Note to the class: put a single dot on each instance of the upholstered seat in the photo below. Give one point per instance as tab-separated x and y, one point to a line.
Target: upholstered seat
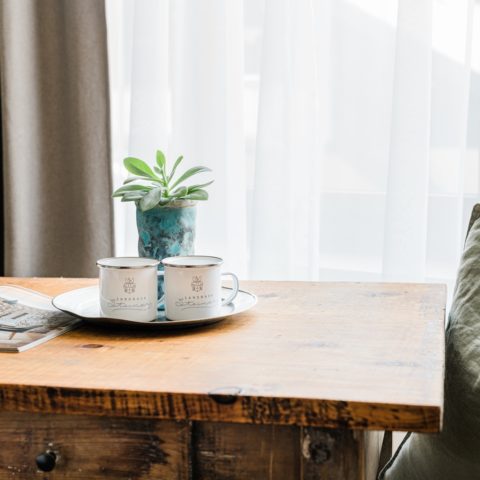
454	454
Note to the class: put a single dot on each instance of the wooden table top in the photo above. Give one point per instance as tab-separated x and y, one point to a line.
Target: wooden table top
354	355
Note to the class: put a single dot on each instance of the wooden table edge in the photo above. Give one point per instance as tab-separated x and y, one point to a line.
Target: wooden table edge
220	407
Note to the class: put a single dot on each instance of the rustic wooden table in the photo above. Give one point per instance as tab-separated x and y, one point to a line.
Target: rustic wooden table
289	390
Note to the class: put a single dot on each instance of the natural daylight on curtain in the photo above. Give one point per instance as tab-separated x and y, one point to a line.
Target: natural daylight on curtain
342	135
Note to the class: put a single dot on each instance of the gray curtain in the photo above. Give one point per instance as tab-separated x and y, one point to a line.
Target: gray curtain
56	141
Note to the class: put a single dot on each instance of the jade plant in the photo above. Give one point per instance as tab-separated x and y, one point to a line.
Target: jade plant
154	186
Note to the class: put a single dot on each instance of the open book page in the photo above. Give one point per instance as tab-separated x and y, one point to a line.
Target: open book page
27	318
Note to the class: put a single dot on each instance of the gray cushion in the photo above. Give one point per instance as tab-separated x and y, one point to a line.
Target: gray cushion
453	454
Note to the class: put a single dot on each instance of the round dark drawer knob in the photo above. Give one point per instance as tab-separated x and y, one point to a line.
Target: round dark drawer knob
46	461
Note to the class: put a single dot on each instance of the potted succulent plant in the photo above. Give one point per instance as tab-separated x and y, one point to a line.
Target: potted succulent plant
166	207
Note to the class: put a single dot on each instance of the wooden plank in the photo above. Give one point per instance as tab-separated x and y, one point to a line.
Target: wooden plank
331	454
246	409
347	355
93	447
245	452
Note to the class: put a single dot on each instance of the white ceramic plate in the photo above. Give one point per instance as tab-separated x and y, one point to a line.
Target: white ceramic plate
84	303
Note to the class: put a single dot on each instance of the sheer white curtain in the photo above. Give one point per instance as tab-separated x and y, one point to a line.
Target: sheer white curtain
344	135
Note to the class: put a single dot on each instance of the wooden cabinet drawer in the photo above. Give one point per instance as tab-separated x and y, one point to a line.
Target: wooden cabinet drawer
93	447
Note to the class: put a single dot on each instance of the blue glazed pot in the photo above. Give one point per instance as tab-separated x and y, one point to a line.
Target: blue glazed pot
166	232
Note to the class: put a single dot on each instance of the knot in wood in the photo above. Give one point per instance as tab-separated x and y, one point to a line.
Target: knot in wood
225	395
319	453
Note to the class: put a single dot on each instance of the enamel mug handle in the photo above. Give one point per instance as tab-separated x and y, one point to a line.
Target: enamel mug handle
234	293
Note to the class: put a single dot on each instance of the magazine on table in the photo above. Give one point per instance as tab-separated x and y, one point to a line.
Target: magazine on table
28	318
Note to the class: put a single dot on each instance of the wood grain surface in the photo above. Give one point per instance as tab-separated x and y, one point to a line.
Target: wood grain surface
348	355
239	451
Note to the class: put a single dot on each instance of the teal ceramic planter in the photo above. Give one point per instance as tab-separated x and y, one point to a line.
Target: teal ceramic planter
166	232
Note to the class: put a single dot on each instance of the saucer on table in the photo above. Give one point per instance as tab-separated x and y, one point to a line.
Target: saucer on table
84	303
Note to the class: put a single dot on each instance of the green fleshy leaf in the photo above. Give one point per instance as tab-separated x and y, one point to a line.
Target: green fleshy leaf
161	160
175	165
130	188
151	199
133	196
162	163
194	188
134	179
179	192
162	181
197	195
138	167
190	172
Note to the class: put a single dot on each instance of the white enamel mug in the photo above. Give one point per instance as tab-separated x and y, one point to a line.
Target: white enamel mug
193	287
128	288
